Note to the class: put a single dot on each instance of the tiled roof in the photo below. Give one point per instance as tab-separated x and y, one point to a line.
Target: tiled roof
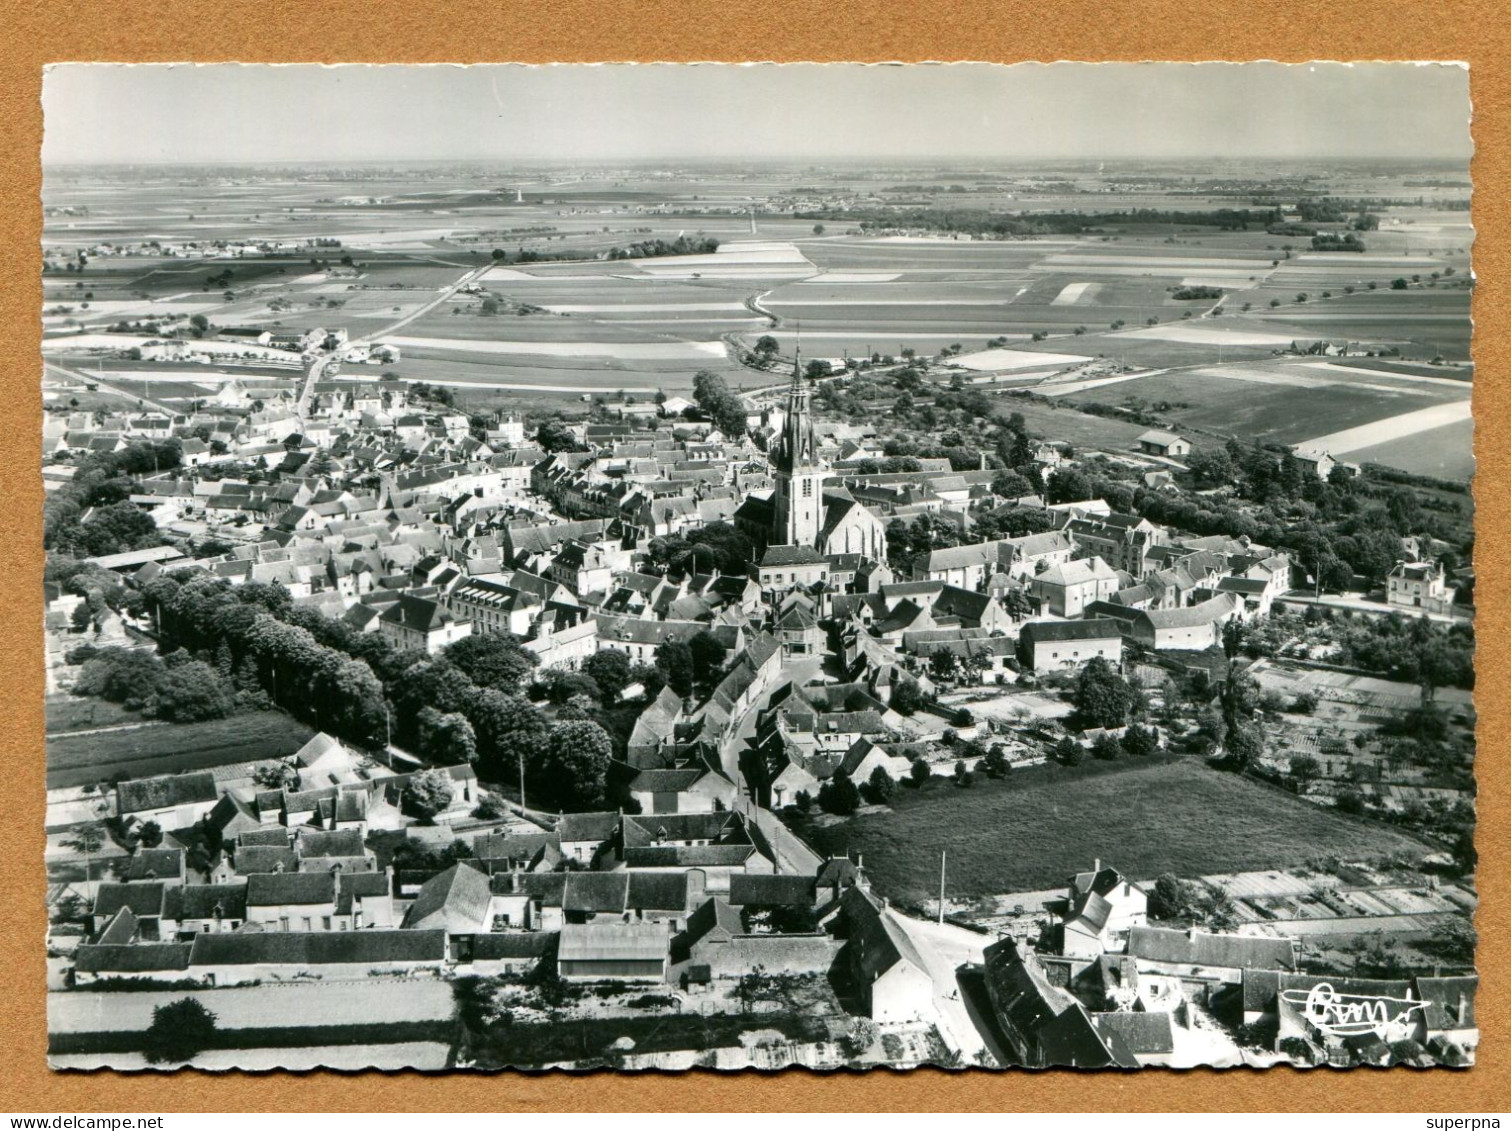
315	948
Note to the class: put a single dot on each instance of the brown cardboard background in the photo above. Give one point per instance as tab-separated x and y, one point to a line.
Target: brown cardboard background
613	30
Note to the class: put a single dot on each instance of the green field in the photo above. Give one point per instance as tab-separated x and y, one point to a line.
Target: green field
74	712
1059	420
139	751
1274	403
1030	832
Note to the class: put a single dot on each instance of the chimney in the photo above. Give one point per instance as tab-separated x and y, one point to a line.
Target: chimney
1096	865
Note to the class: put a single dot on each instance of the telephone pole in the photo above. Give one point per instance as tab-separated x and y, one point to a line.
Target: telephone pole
942	855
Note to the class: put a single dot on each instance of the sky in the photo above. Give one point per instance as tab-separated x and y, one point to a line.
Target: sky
262	114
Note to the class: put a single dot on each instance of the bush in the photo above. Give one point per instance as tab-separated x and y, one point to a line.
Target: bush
1297	1049
1068	751
1140	742
880	787
1351	803
1304	704
906	697
180	1031
995	763
839	795
429	792
490	807
919	772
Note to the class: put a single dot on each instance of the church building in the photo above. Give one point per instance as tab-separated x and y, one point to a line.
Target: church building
801	511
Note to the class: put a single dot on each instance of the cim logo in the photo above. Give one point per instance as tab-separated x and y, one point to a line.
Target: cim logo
1350	1015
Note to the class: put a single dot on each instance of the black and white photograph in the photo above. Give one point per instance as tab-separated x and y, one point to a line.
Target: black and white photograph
836	566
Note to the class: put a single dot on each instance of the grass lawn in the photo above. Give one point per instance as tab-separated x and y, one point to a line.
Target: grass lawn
1036	828
165	748
67	713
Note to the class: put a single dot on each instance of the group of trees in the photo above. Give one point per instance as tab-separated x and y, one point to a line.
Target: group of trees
651	249
100	489
1102	697
1335	528
1175	899
177	686
1001	225
466	704
715	401
716	546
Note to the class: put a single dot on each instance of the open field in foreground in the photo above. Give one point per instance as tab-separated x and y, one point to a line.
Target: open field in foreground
1446	452
1031	831
138	751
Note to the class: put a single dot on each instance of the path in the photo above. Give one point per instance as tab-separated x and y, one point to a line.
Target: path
1377	608
104	730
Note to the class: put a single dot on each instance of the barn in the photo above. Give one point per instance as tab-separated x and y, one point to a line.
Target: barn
628	951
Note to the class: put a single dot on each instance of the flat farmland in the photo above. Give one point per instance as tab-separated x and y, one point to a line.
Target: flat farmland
1446	452
902	254
1282	403
138	751
567	377
1030	831
1386	365
1160	352
924	338
1057	420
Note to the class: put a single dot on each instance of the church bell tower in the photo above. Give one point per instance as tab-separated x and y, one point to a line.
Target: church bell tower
797	505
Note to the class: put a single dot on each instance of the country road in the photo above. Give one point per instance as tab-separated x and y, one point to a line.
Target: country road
320	364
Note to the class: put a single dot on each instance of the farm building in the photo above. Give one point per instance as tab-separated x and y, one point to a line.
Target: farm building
1052	645
1158	443
625	951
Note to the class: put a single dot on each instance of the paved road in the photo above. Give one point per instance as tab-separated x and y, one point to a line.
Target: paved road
945	948
366	1000
1363	605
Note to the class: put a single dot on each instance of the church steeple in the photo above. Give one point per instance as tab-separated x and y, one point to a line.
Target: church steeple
797	511
797	448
